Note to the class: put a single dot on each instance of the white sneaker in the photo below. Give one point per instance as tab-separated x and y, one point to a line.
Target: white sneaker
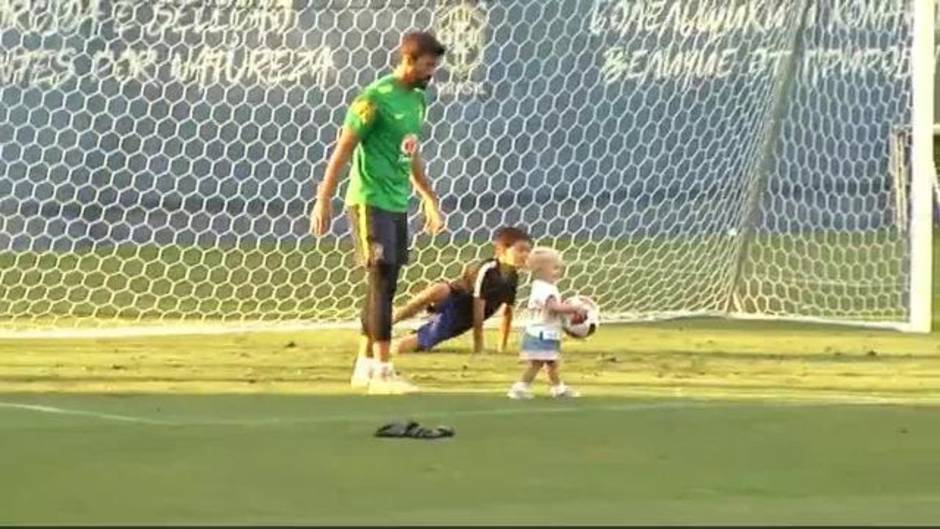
562	391
362	373
391	384
519	392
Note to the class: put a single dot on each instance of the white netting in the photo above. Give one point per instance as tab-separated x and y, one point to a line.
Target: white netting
689	157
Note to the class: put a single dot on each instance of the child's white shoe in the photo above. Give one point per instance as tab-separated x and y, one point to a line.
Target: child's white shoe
561	391
519	391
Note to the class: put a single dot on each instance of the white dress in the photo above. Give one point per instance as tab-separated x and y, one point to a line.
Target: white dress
541	339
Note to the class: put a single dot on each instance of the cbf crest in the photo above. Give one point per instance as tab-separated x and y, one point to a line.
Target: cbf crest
462	27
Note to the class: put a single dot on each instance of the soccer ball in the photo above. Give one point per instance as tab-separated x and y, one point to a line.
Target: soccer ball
578	327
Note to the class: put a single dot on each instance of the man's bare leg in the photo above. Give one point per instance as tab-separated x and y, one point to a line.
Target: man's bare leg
382	352
435	293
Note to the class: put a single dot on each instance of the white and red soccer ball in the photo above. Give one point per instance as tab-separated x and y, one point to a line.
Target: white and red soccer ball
581	327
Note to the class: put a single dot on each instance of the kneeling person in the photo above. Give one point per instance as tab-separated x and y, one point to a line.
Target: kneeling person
466	303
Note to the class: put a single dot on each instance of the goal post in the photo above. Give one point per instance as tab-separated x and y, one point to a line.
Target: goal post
923	62
732	158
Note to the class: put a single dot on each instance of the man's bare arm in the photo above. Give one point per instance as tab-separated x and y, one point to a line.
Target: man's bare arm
433	218
322	209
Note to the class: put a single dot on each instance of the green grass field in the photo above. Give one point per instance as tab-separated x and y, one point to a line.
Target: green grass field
302	460
688	421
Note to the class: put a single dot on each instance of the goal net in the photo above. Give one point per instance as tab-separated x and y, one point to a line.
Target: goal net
693	157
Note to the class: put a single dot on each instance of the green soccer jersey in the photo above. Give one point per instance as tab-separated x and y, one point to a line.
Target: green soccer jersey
387	117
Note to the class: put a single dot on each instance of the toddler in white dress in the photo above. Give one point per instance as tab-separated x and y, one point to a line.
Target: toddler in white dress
541	339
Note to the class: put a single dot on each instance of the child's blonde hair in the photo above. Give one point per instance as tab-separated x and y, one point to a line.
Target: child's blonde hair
542	256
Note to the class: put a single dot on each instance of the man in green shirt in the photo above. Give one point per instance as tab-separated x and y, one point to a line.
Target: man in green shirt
380	134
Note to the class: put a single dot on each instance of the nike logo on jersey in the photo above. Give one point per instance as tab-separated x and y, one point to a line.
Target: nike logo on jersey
399	116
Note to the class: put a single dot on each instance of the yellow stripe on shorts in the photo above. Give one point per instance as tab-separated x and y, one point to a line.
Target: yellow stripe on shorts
364	233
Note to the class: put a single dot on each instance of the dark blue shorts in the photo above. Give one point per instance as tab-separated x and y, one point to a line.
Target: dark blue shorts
381	236
453	317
